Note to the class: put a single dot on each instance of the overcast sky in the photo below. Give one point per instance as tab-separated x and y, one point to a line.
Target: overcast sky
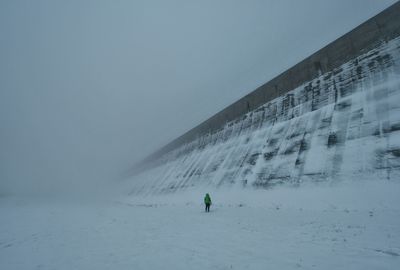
88	88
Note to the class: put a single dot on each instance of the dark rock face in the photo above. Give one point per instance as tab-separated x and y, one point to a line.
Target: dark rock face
345	124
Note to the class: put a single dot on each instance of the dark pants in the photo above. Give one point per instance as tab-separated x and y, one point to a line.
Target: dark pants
207	207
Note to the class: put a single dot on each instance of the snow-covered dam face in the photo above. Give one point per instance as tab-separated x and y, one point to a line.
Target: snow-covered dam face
343	125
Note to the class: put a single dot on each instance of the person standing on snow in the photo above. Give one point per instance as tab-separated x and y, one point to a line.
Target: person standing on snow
207	201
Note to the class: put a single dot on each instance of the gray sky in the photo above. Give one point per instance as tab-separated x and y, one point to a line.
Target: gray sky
87	88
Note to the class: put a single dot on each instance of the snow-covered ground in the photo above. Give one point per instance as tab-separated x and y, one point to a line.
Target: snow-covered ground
347	226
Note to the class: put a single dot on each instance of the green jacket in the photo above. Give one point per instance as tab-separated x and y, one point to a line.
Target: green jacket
207	199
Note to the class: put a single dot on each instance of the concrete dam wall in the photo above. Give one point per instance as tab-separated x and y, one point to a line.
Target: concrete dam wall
335	115
383	27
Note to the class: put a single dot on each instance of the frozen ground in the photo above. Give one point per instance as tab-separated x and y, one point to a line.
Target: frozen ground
351	226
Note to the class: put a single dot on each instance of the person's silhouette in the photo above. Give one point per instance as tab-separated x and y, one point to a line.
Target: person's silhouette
207	202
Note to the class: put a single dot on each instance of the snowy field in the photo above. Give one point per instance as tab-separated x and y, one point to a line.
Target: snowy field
350	226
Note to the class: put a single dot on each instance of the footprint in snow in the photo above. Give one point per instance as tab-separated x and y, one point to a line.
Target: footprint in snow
7	246
388	252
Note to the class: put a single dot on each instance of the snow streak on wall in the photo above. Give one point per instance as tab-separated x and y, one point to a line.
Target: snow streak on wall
343	125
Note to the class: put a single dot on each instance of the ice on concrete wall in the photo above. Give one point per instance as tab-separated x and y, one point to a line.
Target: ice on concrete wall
343	125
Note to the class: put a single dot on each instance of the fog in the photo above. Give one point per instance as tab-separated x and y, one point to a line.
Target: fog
89	88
